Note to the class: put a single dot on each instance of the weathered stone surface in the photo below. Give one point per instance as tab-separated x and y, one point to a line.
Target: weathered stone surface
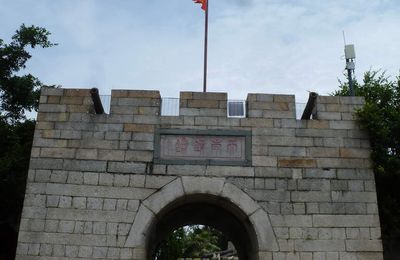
166	195
345	221
244	201
266	242
94	190
202	185
140	227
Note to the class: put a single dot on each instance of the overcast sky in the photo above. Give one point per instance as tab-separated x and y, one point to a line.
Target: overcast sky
255	46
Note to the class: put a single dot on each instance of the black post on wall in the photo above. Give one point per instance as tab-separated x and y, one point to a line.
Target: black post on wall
312	100
98	106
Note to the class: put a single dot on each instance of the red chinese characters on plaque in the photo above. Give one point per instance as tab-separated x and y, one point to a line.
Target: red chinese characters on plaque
202	147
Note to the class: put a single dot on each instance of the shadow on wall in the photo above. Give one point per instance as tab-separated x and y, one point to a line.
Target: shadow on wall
8	242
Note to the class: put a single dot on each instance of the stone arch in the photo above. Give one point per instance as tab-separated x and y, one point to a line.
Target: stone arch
188	190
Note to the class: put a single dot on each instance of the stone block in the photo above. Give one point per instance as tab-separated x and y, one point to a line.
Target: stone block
355	174
343	196
46	164
133	205
75	178
146	119
197	103
89	154
100	252
122	204
287	151
168	193
139	145
139	156
121	180
138	102
111	155
354	153
352	100
244	201
126	167
109	204
209	96
137	181
156	182
138	128
364	245
99	228
42	175
59	250
85	165
332	208
310	196
186	170
319	245
52	201
329	115
98	191
312	207
270	195
137	234
322	152
106	179
36	200
66	226
279	114
313	185
205	121
303	163
59	176
91	178
256	122
291	220
229	171
65	202
264	161
252	97
85	251
91	215
345	221
45	250
79	202
343	163
370	256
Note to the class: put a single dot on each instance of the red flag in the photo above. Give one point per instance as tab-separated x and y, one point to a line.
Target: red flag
202	2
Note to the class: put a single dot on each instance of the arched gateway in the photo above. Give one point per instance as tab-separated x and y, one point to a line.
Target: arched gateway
111	186
203	200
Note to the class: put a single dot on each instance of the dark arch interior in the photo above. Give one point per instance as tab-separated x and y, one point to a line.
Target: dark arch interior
209	211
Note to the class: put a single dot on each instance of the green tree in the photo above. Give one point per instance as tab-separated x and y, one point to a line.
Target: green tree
381	117
18	94
202	240
190	242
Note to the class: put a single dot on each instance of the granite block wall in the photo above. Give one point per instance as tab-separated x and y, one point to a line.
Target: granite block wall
89	174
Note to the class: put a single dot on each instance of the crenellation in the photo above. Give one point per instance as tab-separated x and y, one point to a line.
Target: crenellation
95	184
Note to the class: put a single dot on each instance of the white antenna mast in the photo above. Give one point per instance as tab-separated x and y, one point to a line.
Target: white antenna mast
350	55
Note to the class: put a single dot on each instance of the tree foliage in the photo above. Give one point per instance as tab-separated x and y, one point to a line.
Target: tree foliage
190	242
18	94
381	117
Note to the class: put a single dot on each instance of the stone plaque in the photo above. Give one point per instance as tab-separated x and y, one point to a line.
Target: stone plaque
202	147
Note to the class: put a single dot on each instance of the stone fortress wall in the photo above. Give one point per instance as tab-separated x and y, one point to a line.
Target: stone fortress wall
94	188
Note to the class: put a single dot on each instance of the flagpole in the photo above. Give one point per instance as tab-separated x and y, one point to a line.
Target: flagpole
205	49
